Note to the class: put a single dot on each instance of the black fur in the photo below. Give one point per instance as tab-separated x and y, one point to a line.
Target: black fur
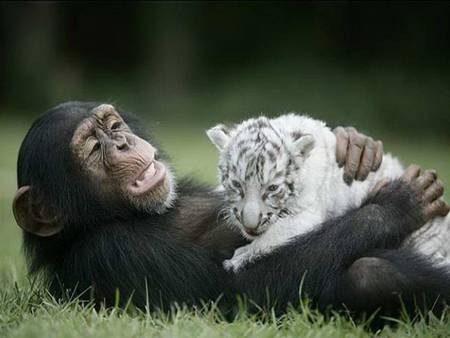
107	246
177	256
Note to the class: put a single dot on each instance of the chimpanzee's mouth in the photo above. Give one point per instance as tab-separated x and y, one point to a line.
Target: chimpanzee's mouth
149	178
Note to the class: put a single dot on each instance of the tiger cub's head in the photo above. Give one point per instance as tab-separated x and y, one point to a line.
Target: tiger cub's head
260	169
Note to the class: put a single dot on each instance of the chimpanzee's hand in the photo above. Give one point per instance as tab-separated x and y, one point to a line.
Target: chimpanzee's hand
429	190
359	153
416	197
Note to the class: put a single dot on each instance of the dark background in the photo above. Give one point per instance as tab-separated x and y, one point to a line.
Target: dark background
384	67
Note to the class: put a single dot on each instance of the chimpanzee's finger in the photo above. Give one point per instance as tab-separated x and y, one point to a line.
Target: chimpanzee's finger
426	179
341	145
433	192
355	148
378	156
412	172
367	158
435	209
380	185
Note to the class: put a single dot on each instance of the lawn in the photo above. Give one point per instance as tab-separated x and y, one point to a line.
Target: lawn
26	312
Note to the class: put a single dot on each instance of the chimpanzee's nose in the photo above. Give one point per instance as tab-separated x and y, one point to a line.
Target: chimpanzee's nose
121	142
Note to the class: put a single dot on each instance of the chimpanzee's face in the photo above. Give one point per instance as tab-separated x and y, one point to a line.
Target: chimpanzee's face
119	163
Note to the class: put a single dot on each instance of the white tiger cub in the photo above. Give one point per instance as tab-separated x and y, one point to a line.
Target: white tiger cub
281	180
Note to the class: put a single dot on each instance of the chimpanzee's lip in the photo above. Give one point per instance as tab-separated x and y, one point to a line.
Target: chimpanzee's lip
149	178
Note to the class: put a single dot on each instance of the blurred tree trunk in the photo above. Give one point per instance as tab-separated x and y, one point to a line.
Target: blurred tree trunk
171	62
28	52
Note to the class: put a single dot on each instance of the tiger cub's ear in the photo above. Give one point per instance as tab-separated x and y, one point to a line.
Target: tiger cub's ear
219	136
303	145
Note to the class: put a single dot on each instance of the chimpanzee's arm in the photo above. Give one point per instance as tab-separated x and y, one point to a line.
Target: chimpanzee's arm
324	258
144	263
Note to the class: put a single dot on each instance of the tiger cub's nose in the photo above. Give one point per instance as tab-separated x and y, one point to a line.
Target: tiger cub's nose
251	216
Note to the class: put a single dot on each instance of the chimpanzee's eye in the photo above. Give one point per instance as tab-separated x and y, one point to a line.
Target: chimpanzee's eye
95	148
273	187
116	125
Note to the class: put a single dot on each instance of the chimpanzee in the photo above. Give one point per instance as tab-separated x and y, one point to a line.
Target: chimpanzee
104	219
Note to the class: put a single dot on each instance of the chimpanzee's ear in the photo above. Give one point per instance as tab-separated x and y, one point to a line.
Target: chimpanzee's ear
32	216
303	145
219	136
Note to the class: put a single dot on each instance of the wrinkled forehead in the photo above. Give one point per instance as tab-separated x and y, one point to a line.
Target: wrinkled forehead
100	114
98	117
103	112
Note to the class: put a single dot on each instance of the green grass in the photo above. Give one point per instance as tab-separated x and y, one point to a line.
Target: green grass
26	311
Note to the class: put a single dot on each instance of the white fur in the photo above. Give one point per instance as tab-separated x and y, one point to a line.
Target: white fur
325	195
218	137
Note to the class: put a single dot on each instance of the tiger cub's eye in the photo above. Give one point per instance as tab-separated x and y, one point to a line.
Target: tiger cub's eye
236	184
273	187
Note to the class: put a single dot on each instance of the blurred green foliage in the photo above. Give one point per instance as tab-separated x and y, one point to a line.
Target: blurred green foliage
381	66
